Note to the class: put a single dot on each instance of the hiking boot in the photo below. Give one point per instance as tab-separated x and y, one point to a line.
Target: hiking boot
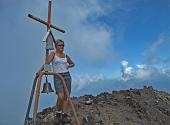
58	115
66	118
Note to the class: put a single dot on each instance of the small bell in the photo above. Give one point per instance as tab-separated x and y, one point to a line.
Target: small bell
47	87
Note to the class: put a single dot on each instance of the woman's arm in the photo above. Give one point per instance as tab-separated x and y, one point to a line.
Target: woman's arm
70	62
50	57
48	61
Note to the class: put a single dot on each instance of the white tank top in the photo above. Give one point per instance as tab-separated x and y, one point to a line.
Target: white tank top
59	64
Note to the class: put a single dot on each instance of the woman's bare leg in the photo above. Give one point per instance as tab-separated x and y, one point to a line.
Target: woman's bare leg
65	105
60	100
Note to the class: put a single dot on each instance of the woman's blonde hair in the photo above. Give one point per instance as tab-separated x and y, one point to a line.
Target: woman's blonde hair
58	41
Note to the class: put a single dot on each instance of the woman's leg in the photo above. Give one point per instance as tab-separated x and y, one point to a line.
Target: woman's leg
60	94
66	100
60	100
65	105
66	117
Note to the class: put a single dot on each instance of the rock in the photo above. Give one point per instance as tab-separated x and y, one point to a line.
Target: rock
145	106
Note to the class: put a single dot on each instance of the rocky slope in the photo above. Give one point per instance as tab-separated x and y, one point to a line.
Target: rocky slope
126	107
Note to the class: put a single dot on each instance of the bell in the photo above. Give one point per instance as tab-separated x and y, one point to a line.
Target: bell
47	87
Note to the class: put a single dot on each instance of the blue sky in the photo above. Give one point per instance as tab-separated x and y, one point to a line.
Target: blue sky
115	44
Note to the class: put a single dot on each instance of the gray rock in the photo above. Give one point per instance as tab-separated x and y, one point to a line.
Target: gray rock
126	107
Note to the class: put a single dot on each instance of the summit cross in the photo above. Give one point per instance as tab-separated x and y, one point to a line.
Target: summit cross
47	23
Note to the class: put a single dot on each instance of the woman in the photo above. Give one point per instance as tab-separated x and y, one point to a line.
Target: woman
61	63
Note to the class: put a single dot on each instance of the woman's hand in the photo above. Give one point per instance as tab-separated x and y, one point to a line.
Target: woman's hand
41	69
70	65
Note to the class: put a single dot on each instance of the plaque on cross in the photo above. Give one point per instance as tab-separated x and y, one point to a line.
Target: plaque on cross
49	39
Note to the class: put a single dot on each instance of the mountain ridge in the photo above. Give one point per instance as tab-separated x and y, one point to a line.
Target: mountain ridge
145	106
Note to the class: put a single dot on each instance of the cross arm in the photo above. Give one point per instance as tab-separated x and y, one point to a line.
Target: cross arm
46	23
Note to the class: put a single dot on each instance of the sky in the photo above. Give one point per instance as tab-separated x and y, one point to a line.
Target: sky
115	44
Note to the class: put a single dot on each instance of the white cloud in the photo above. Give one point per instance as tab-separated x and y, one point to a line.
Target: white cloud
152	53
82	80
141	66
124	63
126	71
165	71
142	72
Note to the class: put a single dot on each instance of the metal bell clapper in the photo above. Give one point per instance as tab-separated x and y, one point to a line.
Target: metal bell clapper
47	86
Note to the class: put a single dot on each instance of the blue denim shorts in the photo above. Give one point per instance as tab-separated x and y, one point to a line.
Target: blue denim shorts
58	84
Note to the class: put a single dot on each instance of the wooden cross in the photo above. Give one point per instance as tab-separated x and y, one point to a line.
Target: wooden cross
47	23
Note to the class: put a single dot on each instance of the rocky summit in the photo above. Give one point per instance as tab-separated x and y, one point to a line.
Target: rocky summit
145	106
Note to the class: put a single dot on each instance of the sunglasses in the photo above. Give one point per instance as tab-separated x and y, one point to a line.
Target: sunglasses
60	45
